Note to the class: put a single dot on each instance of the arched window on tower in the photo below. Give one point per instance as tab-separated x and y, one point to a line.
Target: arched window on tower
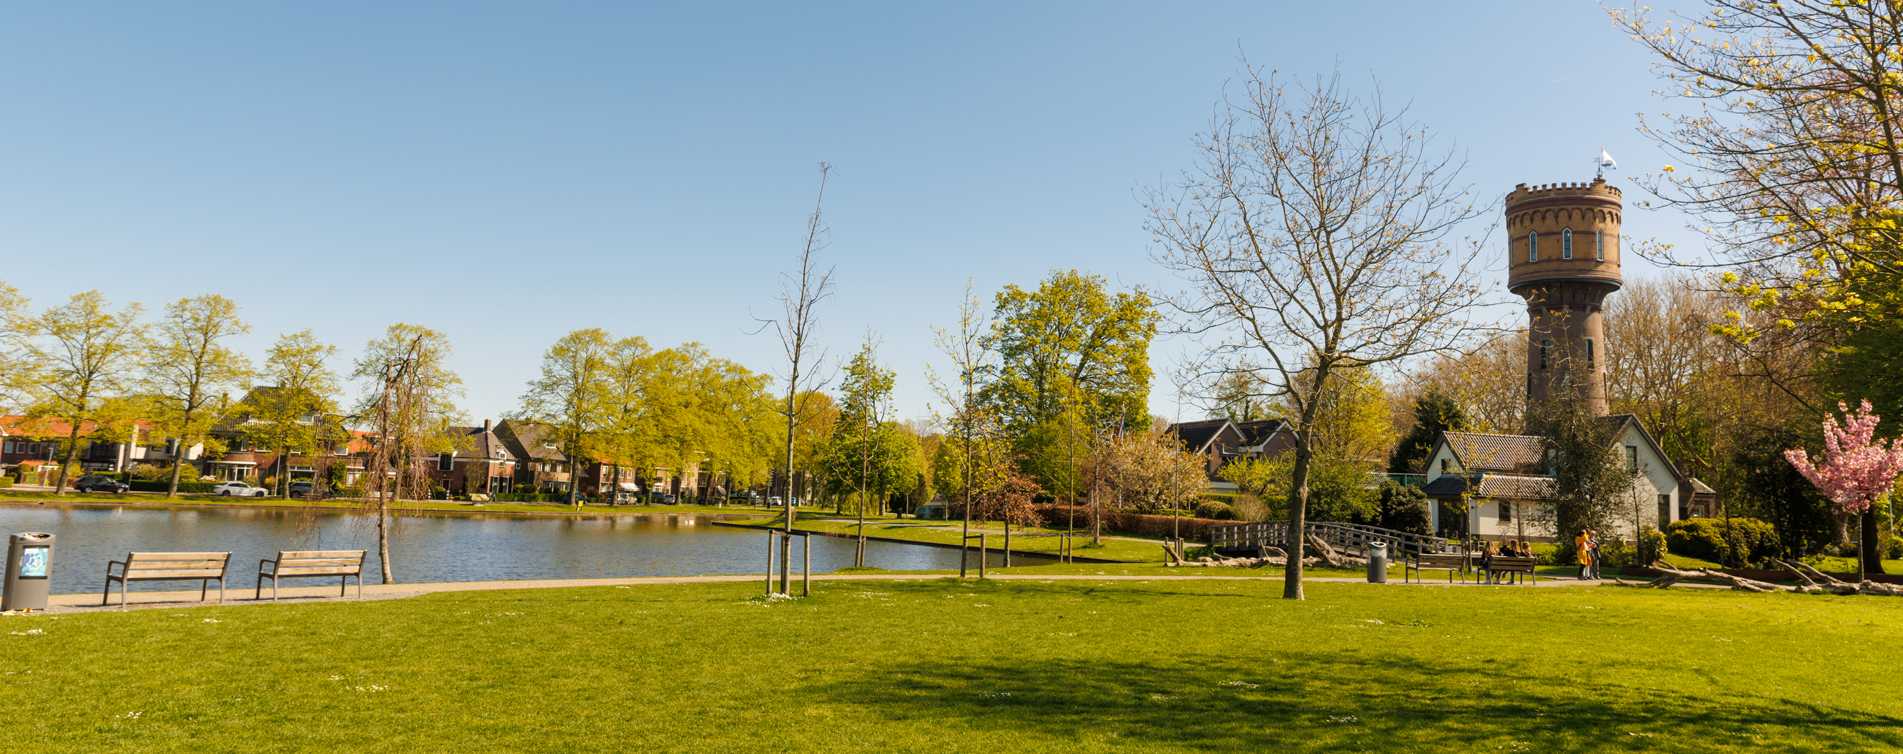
1566	243
1546	347
1533	246
1589	353
1599	245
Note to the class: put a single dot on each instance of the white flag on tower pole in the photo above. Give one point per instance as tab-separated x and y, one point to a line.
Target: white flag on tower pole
1606	161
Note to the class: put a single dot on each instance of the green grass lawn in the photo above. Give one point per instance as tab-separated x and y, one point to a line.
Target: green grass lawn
1185	666
1035	540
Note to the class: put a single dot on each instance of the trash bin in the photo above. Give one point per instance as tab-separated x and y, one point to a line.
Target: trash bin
29	571
1378	563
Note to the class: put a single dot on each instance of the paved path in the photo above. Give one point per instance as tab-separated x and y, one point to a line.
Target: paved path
78	603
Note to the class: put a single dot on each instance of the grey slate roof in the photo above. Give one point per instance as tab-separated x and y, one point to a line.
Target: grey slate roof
1195	435
1515	487
530	440
1479	451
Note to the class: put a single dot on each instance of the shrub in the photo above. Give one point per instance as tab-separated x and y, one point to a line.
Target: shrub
5	482
1893	548
149	472
185	486
1251	508
1733	542
1214	510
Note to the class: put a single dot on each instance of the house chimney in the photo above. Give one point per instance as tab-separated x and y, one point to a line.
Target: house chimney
485	426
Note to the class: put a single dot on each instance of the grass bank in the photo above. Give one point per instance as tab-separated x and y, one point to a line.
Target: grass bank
430	507
1035	540
943	666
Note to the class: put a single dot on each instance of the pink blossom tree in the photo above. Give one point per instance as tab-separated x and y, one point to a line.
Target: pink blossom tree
1857	468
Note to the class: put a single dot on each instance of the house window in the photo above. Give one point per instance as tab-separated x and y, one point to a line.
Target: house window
1533	246
1546	346
1443	464
1589	353
1506	511
1665	510
1599	245
1631	458
445	462
1566	243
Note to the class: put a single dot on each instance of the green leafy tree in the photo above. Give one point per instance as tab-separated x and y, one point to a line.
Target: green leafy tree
84	353
1591	483
857	444
1434	414
1072	351
190	367
569	395
294	413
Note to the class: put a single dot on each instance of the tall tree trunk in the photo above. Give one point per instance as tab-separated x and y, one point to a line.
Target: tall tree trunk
574	500
178	460
72	454
1869	546
1297	521
383	537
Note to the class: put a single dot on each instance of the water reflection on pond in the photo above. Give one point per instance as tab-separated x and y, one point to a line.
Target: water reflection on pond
435	548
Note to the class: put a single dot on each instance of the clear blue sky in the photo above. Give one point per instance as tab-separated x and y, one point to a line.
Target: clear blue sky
508	172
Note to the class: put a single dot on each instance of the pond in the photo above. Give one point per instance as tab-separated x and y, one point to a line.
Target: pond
436	548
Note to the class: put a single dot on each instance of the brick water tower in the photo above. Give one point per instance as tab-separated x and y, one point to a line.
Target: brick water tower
1563	258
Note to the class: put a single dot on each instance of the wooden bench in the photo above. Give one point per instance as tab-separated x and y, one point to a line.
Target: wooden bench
1507	564
295	564
204	567
1454	562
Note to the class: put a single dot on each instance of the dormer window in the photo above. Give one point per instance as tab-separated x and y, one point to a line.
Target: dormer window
1566	243
1533	246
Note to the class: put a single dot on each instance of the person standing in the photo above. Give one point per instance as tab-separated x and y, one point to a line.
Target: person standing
1582	554
1592	542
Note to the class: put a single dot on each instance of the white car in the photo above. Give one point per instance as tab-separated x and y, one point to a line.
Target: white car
238	489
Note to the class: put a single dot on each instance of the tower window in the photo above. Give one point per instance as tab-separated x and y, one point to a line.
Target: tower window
1599	245
1533	246
1566	243
1546	346
1589	353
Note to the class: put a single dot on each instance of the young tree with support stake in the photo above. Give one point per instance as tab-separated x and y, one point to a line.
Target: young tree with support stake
190	366
1313	238
799	298
970	354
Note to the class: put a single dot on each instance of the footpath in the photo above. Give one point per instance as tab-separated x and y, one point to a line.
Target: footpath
65	604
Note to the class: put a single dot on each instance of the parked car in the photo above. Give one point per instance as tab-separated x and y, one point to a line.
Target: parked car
238	489
301	489
100	483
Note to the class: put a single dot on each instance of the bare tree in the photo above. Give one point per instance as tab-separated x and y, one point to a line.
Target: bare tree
408	405
800	295
1313	238
970	352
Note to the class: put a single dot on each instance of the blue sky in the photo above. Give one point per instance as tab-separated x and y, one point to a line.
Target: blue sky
508	172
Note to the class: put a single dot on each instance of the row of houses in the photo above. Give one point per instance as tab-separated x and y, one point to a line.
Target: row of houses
1496	486
511	456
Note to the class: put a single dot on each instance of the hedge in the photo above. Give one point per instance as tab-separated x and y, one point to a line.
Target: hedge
1139	524
1733	542
161	485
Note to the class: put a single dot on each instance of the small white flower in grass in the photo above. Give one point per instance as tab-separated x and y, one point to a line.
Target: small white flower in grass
334	677
1343	719
133	715
980	604
1240	684
210	620
28	632
996	694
